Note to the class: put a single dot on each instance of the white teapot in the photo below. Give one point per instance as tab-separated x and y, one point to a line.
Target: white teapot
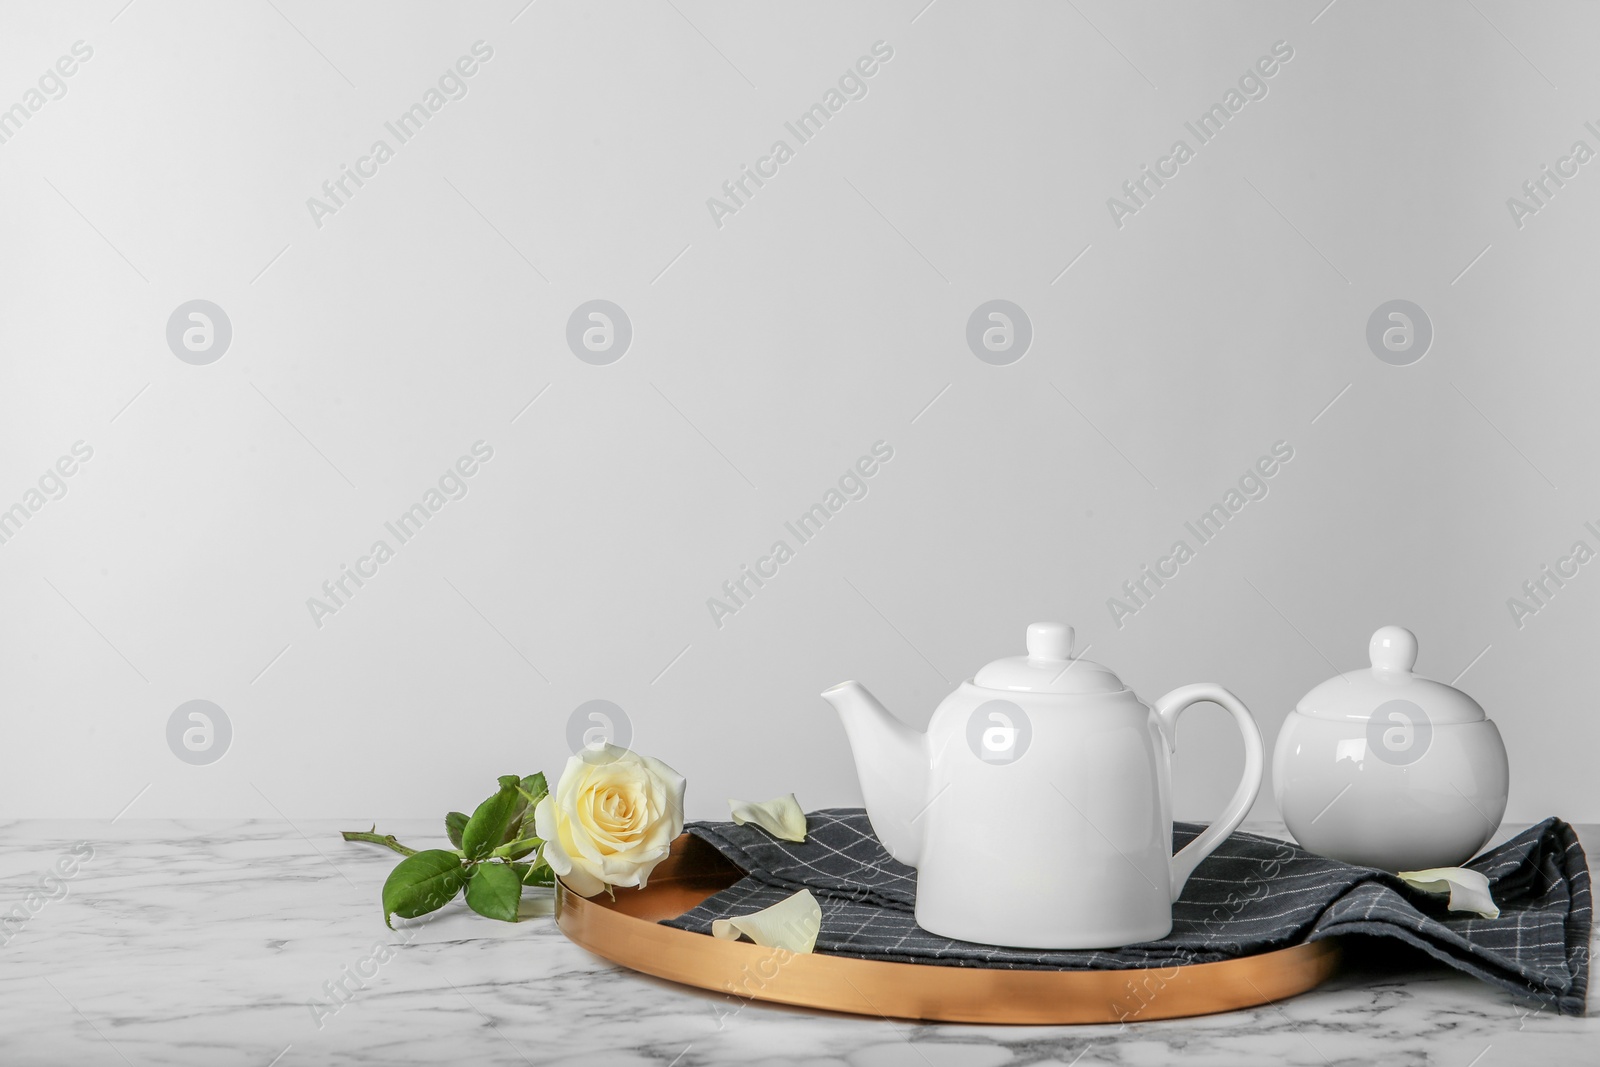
1037	806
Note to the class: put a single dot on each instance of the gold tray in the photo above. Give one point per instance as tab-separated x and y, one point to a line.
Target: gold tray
626	931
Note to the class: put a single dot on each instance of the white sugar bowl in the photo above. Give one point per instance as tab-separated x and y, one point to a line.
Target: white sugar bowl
1385	768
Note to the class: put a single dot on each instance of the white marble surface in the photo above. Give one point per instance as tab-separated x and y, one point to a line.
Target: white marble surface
210	942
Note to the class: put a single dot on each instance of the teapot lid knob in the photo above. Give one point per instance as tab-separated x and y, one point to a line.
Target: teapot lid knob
1049	667
1393	648
1050	641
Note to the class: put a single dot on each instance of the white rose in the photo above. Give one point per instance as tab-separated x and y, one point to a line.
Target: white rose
612	818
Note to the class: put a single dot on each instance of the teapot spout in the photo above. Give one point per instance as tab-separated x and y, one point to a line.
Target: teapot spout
893	764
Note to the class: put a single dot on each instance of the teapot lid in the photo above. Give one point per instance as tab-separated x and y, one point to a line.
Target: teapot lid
1049	667
1356	695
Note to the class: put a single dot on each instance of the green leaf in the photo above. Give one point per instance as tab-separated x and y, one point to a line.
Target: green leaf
517	849
493	891
536	874
492	820
454	823
531	790
422	883
534	787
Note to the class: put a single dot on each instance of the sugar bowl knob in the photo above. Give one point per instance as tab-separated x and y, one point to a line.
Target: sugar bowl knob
1393	648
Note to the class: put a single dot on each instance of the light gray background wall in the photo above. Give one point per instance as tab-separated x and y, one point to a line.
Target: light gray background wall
768	353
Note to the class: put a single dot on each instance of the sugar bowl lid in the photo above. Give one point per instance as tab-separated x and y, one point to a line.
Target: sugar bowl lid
1049	667
1356	695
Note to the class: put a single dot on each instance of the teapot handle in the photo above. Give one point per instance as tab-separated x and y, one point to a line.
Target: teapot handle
1167	710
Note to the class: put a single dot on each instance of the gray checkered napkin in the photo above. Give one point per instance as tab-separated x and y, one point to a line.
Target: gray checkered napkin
1537	948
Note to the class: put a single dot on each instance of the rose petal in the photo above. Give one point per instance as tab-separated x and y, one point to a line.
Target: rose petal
582	882
781	817
544	825
1468	889
600	755
791	924
576	878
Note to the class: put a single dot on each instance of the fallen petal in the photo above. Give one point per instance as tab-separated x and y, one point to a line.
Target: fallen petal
1468	889
791	924
780	817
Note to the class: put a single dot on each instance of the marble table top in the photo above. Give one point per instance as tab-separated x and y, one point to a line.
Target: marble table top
175	942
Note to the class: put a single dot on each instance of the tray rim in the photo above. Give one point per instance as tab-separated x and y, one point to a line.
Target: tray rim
910	990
